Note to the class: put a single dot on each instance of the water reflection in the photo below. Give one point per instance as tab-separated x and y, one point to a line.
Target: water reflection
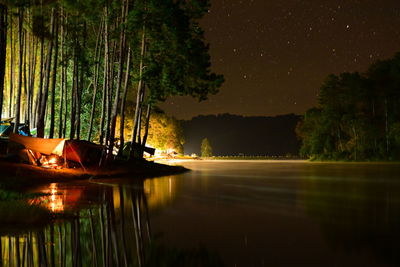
253	214
357	214
106	226
161	192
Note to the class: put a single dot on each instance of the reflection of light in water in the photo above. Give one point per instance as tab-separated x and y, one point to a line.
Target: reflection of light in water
116	197
54	201
160	191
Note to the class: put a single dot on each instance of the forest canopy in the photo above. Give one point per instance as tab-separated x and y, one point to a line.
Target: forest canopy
68	68
357	117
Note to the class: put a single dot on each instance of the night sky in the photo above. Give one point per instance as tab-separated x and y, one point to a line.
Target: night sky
276	54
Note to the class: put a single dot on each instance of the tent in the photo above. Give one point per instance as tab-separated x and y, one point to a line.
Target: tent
82	152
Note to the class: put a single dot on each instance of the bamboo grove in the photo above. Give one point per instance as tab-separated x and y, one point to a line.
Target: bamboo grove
69	68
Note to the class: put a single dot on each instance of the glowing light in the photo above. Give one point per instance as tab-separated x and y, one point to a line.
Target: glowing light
53	160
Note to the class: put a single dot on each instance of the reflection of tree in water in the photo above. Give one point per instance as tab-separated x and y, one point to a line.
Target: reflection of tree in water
116	232
357	214
161	192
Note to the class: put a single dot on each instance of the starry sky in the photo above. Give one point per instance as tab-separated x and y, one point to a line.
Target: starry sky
275	54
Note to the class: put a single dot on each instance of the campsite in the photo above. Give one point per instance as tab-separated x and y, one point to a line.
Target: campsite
34	160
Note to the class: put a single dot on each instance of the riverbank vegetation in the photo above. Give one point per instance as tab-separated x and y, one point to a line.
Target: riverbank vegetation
357	117
70	68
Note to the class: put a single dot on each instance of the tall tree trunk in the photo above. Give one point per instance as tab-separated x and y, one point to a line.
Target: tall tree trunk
32	72
95	79
65	83
20	58
139	97
105	80
40	89
73	97
110	89
11	78
146	131
63	58
81	83
121	62
3	57
123	103
43	102
54	80
25	95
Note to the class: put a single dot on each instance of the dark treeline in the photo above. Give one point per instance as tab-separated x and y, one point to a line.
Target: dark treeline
232	135
68	68
358	116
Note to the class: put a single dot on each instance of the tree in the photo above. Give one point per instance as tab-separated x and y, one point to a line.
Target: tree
173	56
206	149
3	45
79	66
165	132
357	116
20	59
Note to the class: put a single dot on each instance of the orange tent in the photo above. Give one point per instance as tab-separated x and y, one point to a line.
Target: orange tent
83	152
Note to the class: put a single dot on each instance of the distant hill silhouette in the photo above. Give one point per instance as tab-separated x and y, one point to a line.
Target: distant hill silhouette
236	135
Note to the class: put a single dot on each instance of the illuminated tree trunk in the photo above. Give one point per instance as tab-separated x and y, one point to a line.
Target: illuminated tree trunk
64	70
31	78
20	58
3	47
139	97
53	84
80	85
95	79
43	102
40	89
105	77
11	78
24	108
110	90
123	103
63	77
121	62
73	96
146	132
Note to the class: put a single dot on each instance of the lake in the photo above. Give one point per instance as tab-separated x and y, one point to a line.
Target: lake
222	213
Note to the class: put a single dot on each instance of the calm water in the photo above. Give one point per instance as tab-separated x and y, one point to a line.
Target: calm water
232	213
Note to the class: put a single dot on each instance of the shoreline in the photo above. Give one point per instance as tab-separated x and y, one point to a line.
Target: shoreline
19	175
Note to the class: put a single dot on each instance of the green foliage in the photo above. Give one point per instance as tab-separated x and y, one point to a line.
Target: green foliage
357	117
165	132
177	60
206	149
